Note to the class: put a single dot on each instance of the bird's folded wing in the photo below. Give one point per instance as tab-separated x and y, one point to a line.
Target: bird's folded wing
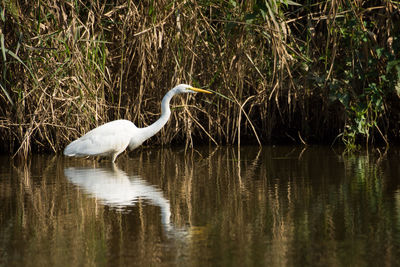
96	145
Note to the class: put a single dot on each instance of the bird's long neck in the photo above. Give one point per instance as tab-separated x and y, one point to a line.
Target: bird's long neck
154	128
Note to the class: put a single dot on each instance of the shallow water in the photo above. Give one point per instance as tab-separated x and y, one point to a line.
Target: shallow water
273	206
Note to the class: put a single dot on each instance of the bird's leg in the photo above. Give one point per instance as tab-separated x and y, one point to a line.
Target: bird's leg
114	156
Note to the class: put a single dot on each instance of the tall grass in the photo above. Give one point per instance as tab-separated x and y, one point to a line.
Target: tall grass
305	72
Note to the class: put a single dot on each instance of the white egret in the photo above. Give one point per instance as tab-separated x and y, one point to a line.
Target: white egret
112	138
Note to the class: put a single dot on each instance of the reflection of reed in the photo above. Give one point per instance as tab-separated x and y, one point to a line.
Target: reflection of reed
271	206
282	197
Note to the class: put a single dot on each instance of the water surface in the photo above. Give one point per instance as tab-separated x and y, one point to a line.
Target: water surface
274	206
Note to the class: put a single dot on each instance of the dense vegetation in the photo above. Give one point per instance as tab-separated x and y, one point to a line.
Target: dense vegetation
304	71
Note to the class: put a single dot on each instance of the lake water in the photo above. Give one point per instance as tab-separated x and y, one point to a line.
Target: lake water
270	206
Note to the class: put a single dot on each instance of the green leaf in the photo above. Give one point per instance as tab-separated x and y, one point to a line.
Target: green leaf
263	14
289	3
7	95
3	49
2	15
20	61
379	52
391	64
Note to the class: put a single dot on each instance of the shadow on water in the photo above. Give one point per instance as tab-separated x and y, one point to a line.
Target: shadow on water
271	206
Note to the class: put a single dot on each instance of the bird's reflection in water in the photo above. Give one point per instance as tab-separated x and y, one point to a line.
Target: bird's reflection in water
114	188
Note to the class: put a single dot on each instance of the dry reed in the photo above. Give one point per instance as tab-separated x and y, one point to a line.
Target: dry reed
279	71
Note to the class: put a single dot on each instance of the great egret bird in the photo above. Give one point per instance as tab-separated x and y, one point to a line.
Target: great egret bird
112	138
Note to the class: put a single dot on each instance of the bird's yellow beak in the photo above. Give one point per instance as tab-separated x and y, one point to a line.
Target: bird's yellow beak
200	90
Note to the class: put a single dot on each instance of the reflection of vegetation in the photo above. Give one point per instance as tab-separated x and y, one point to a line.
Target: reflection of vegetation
275	206
320	208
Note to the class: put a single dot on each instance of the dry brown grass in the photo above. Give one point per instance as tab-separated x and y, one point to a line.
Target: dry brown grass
68	67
